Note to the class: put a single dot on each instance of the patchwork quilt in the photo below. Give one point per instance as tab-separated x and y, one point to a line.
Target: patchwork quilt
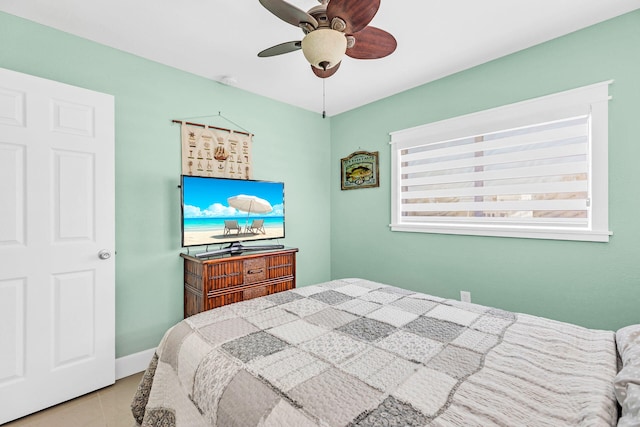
358	353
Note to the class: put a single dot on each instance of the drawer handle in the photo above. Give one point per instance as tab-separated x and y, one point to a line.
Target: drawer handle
223	276
256	271
280	266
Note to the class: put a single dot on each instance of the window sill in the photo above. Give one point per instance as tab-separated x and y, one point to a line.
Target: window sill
517	232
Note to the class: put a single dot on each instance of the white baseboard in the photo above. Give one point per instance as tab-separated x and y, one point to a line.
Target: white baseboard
133	363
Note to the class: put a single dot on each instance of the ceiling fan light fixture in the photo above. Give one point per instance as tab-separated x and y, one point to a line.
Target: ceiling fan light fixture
324	48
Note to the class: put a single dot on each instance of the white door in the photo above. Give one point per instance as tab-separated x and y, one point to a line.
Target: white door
57	296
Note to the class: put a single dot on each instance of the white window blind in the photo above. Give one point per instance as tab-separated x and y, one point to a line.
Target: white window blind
532	169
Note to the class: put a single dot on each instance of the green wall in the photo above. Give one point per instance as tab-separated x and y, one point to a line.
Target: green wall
290	145
592	284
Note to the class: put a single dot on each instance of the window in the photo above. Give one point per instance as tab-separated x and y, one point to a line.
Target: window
534	169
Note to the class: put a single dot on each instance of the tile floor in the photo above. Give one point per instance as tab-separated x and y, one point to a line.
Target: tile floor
107	407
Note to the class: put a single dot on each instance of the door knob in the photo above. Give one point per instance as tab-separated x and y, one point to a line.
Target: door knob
104	254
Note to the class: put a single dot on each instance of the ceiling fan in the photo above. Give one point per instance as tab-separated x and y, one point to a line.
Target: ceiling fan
332	29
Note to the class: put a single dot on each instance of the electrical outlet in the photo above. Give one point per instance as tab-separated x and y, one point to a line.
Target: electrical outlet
465	296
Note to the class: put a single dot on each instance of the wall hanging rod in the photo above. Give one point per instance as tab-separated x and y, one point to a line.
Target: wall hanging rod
212	127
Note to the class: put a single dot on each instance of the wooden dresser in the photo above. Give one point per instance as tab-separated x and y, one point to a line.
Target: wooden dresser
217	281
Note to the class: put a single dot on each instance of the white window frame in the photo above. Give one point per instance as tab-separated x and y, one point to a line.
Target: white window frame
589	100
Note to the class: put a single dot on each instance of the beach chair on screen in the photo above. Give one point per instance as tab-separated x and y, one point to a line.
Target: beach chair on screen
231	225
257	226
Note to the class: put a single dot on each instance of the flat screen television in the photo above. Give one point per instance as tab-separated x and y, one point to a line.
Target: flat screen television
224	211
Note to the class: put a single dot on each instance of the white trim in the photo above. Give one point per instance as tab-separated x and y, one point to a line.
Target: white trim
474	230
589	101
133	363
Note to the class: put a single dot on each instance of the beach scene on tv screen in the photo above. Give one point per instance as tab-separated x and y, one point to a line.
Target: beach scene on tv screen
226	210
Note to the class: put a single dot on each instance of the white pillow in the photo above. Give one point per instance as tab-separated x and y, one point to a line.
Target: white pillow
631	408
628	341
627	383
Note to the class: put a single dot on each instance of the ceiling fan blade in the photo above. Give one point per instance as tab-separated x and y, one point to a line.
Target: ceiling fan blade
355	13
323	74
281	48
289	13
372	43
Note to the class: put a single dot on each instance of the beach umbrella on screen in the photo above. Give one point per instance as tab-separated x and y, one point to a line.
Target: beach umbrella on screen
250	204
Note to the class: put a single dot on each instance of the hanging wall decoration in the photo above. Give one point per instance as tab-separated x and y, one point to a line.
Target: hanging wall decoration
217	152
359	170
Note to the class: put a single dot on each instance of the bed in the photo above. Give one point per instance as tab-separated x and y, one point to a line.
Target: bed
354	352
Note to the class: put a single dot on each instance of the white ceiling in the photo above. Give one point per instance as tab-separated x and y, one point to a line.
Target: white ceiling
220	39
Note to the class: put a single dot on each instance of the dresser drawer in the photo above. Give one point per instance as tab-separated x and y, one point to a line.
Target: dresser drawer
224	275
280	265
255	292
254	270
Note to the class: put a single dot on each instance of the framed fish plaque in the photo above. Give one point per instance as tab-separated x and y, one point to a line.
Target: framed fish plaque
359	170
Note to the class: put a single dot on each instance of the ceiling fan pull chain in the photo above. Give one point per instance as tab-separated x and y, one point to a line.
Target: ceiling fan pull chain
324	112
